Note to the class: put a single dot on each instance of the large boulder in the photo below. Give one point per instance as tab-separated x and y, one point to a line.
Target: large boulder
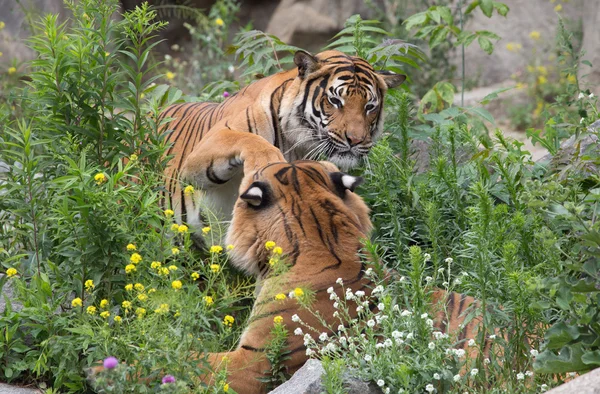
584	384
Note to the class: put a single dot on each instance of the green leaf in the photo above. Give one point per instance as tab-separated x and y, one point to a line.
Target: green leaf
487	6
569	359
560	334
483	113
494	95
591	358
501	8
446	14
485	44
415	20
471	7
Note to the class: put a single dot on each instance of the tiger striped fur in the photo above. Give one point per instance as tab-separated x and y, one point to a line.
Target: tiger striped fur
331	105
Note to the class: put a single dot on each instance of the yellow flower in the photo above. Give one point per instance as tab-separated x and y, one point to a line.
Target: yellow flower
152	290
126	305
2	24
76	302
162	308
228	320
118	319
520	85
164	271
169	213
219	22
170	75
100	178
571	79
177	313
513	46
195	276
139	287
91	310
175	251
277	250
530	69
12	70
104	304
535	35
280	297
107	54
278	320
174	227
140	312
542	80
155	265
129	287
298	292
542	70
129	268
11	272
189	190
205	230
558	8
173	268
215	268
208	300
273	261
89	285
131	247
105	314
1	54
226	386
269	245
176	284
230	247
183	228
135	258
142	297
216	249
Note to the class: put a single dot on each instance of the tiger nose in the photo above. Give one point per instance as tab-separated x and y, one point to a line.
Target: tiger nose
353	139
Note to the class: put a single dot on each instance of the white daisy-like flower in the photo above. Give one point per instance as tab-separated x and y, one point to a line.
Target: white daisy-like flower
457	281
359	293
381	383
402	279
437	376
429	388
291	294
534	353
369	271
381	306
399	341
336	305
386	390
309	352
396	308
341	328
231	69
449	260
437	335
371	323
424	316
581	95
528	373
426	257
368	357
572	374
591	95
544	387
387	342
378	345
441	270
336	314
428	279
397	334
331	347
406	313
359	309
330	290
493	336
333	297
520	376
410	335
431	346
456	377
339	281
429	322
298	331
445	284
459	352
323	336
295	318
486	361
377	289
471	342
343	340
474	371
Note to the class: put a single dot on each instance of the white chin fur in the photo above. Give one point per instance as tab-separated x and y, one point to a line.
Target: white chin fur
345	162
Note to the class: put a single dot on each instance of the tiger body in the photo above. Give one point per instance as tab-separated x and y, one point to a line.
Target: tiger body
331	105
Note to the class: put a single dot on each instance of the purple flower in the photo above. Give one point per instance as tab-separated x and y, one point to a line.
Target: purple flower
168	379
225	94
110	362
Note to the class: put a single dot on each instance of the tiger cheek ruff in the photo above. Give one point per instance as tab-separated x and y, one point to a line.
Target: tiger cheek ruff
329	107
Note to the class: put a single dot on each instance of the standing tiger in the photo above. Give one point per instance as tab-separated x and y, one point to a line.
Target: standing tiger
330	106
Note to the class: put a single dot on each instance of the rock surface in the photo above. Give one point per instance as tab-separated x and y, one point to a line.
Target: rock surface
6	389
307	380
584	384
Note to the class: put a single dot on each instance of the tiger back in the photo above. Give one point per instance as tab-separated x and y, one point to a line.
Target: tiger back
330	106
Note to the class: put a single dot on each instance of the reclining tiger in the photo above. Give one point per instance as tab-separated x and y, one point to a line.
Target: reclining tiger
330	106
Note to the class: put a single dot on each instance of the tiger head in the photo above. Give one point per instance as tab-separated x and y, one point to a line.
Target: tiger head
337	110
303	205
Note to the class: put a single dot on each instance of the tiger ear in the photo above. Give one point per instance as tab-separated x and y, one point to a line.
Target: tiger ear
391	79
343	182
255	195
306	63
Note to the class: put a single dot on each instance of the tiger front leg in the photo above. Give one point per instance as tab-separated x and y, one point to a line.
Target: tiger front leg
221	155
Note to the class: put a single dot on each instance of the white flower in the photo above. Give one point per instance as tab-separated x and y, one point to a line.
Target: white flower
426	257
431	346
295	318
396	308
534	353
298	331
387	343
464	273
410	335
397	334
457	281
429	388
428	279
330	347
445	284
402	279
336	305
493	336
360	293
441	270
386	390
377	289
520	376
339	281
359	309
437	376
341	328
459	352
175	47
336	314
424	316
399	341
544	387
591	95
349	295
231	69
369	271
333	296
456	377
486	361
438	335
429	322
572	374
368	357
291	294
380	306
378	345
581	120
449	260
581	95
330	290
343	340
323	336
528	373
371	323
309	352
474	371
380	383
471	342
406	313
168	57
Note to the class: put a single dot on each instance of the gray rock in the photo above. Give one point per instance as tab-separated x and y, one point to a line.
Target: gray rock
8	292
307	380
584	384
7	389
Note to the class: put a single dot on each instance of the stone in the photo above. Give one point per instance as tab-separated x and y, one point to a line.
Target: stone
8	389
307	380
588	383
591	37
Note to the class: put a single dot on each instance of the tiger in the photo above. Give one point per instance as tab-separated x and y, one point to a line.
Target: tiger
309	209
330	104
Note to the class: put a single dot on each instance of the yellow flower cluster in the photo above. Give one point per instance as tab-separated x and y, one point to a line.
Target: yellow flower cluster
12	70
140	312
89	285
228	320
269	245
513	46
277	250
280	297
215	268
118	319
11	272
183	229
131	247
155	265
189	190
195	276
105	314
230	247
169	213
278	320
176	284
139	287
219	22
2	25
91	310
208	300
135	258
162	308
104	304
170	75
129	268
298	292
175	251
100	178
76	302
142	297
216	249
126	305
535	35
205	230
129	287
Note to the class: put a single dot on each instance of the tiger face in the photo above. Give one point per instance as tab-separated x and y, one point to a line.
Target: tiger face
340	105
295	205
